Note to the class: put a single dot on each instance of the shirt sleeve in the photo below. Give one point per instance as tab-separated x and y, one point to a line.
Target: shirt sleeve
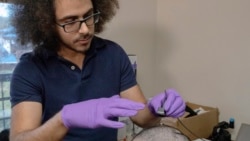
25	84
128	77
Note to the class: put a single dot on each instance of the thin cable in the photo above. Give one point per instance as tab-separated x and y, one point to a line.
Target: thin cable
190	130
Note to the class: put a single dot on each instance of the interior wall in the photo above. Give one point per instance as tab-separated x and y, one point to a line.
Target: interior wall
203	51
134	29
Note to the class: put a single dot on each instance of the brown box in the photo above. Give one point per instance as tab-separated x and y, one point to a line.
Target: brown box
198	126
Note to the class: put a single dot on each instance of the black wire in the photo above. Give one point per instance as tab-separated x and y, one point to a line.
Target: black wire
190	130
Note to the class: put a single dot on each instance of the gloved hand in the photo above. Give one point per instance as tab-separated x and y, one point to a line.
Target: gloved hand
171	101
95	113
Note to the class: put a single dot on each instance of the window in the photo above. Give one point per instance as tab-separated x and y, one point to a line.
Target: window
4	101
7	62
10	51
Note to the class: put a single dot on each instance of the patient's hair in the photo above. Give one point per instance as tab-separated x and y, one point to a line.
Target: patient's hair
160	133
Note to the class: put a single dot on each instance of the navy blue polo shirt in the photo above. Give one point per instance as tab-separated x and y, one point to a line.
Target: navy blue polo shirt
53	81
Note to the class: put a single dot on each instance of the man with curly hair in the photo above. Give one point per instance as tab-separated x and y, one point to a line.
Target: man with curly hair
74	85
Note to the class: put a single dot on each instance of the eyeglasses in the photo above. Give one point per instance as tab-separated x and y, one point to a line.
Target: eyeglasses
76	25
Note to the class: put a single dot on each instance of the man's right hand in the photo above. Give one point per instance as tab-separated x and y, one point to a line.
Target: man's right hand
96	112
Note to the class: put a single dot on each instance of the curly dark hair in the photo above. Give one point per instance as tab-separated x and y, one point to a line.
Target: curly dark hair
34	20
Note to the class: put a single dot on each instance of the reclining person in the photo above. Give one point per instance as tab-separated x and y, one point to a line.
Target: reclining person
160	133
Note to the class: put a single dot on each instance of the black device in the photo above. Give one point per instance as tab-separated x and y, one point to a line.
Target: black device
161	111
190	111
220	133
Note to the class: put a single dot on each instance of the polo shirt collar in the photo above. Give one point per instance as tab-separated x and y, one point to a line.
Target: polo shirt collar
96	44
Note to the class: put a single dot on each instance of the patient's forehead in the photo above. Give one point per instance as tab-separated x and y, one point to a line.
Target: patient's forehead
160	133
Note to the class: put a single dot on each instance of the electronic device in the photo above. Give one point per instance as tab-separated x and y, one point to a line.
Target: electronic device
244	133
220	133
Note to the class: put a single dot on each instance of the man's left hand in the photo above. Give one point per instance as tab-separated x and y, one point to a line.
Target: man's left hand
171	101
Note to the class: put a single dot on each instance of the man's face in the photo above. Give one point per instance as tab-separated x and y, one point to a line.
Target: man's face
68	11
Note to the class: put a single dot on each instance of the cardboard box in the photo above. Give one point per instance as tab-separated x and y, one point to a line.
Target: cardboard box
198	126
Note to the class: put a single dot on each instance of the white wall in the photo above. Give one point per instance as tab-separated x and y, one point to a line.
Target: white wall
134	29
200	47
204	51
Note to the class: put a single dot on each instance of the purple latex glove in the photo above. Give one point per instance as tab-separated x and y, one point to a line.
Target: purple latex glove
96	112
171	101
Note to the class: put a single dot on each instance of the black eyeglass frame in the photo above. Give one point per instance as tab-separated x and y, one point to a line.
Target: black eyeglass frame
96	20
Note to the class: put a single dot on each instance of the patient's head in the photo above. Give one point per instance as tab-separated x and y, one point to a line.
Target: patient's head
160	133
